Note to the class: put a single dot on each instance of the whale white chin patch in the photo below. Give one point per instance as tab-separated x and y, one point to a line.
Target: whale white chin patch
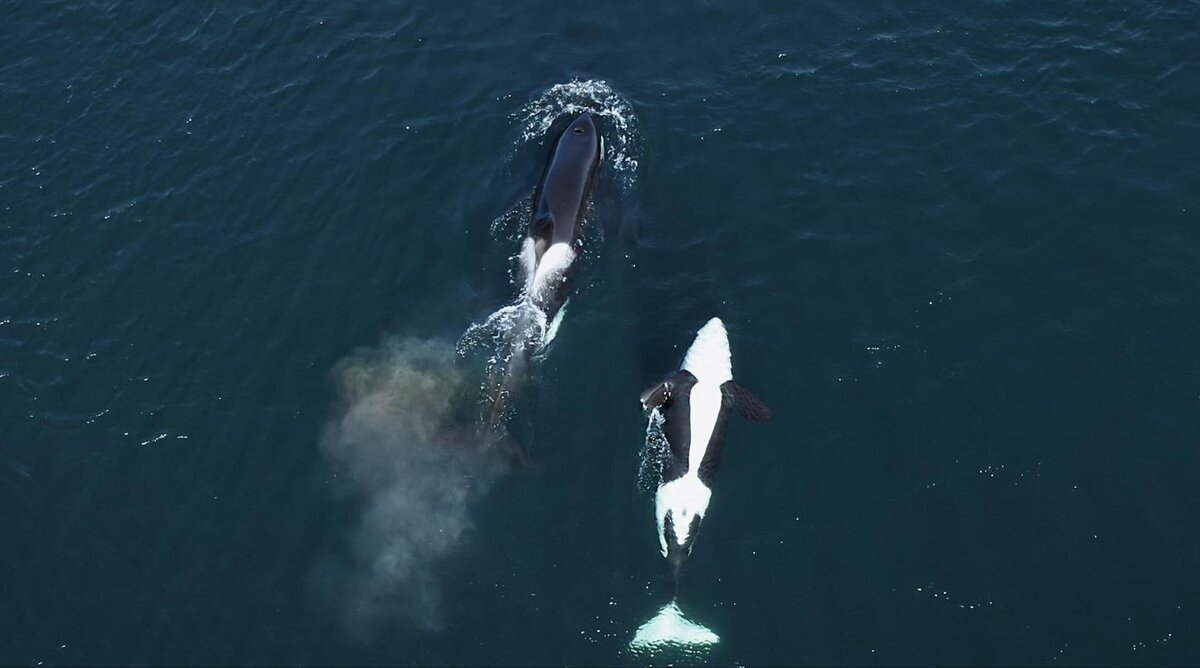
708	357
682	498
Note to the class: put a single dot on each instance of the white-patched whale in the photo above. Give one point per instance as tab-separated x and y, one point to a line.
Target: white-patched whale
549	249
695	403
691	407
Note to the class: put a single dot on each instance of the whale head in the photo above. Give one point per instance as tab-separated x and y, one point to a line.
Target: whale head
582	139
582	128
708	357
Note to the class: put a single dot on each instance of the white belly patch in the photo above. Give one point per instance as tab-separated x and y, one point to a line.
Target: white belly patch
683	498
705	406
552	269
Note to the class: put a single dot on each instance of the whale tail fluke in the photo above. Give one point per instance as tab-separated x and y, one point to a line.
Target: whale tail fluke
507	385
670	630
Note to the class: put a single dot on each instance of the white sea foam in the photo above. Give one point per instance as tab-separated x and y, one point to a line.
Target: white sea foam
669	629
496	332
517	326
654	451
512	223
528	263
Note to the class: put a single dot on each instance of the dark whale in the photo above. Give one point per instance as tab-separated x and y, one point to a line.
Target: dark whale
548	251
553	237
695	403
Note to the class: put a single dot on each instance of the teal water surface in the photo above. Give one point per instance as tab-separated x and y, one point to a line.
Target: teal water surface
955	248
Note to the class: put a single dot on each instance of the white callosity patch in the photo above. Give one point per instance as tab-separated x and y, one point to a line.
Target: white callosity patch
684	498
669	628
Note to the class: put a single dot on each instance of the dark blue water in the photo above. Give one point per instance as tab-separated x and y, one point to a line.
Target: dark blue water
955	247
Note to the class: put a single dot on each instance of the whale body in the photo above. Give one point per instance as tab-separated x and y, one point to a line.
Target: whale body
695	403
548	251
552	239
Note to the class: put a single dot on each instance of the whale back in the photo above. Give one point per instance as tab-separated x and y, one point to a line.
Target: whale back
566	184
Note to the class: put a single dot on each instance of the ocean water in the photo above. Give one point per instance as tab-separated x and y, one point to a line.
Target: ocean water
955	246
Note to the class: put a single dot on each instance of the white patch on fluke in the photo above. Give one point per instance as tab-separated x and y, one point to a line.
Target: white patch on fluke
670	629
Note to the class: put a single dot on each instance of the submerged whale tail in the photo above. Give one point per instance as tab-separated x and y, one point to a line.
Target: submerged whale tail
507	384
675	579
670	629
520	330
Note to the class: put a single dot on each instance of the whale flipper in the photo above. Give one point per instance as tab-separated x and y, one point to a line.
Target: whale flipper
659	393
749	404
